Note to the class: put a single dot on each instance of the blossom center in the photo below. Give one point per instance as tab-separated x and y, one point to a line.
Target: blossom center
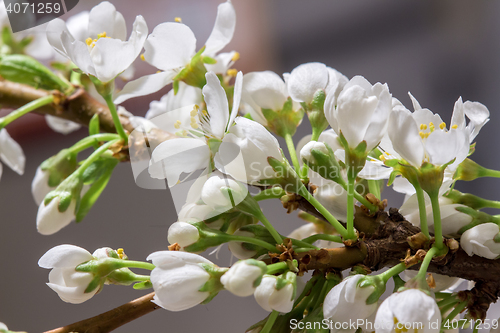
91	42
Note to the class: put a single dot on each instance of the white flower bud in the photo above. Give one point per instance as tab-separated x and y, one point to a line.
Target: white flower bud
334	198
3	327
479	241
216	194
68	283
50	220
269	298
243	277
305	152
177	279
347	301
183	234
304	231
40	185
411	307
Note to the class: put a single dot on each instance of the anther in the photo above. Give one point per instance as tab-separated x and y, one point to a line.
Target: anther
442	125
236	56
178	20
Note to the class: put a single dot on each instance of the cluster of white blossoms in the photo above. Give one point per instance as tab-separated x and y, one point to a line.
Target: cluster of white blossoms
221	127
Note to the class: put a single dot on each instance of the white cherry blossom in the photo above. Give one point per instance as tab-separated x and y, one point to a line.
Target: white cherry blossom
11	153
479	240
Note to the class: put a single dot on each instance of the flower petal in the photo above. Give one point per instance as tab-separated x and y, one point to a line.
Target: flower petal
173	157
264	90
217	105
112	56
236	99
11	152
403	131
65	255
105	18
144	85
60	125
78	52
170	45
223	30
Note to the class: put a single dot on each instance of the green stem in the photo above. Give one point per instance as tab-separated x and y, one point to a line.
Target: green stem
385	276
301	243
270	228
316	132
293	153
306	290
447	301
436	213
270	193
330	238
476	326
365	202
95	156
91	140
422	211
142	278
137	264
425	264
275	268
254	241
31	106
490	173
351	234
440	295
374	188
270	322
454	313
116	119
323	211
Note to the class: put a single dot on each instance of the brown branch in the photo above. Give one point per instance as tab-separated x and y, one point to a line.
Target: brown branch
108	321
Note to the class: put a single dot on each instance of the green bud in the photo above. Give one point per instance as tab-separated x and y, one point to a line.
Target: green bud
287	178
26	70
60	166
470	170
316	114
213	285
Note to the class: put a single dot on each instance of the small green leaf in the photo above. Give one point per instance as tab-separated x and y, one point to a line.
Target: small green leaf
94	125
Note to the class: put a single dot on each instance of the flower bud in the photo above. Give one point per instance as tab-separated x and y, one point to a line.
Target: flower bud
480	240
243	277
305	152
50	218
70	284
276	293
242	250
222	193
183	234
178	279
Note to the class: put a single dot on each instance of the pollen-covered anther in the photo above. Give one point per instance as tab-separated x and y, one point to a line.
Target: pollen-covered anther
431	126
232	72
442	125
422	135
454	126
423	127
382	157
142	57
120	252
178	20
236	56
89	41
177	124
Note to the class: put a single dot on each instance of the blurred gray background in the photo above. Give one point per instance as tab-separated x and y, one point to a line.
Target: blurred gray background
438	50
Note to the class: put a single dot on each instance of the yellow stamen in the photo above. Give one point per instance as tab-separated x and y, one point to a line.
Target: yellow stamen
423	127
88	41
382	158
193	113
205	113
442	125
142	57
177	124
232	72
178	20
422	135
157	72
194	125
454	126
102	35
236	56
120	253
387	153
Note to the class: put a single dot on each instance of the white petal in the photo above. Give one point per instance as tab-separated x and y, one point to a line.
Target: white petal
50	220
264	90
64	256
223	30
105	18
168	258
55	28
170	45
78	25
217	105
403	131
478	115
60	125
306	79
458	115
442	146
112	56
186	96
11	152
236	99
416	104
183	234
40	187
78	52
144	85
173	157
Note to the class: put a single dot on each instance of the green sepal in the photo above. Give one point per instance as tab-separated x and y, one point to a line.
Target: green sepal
248	116
316	113
287	278
478	218
213	285
326	165
60	166
194	73
175	86
26	70
240	220
286	175
468	199
143	285
469	170
208	60
90	198
97	169
67	191
94	126
430	178
208	238
96	282
374	281
121	277
284	121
